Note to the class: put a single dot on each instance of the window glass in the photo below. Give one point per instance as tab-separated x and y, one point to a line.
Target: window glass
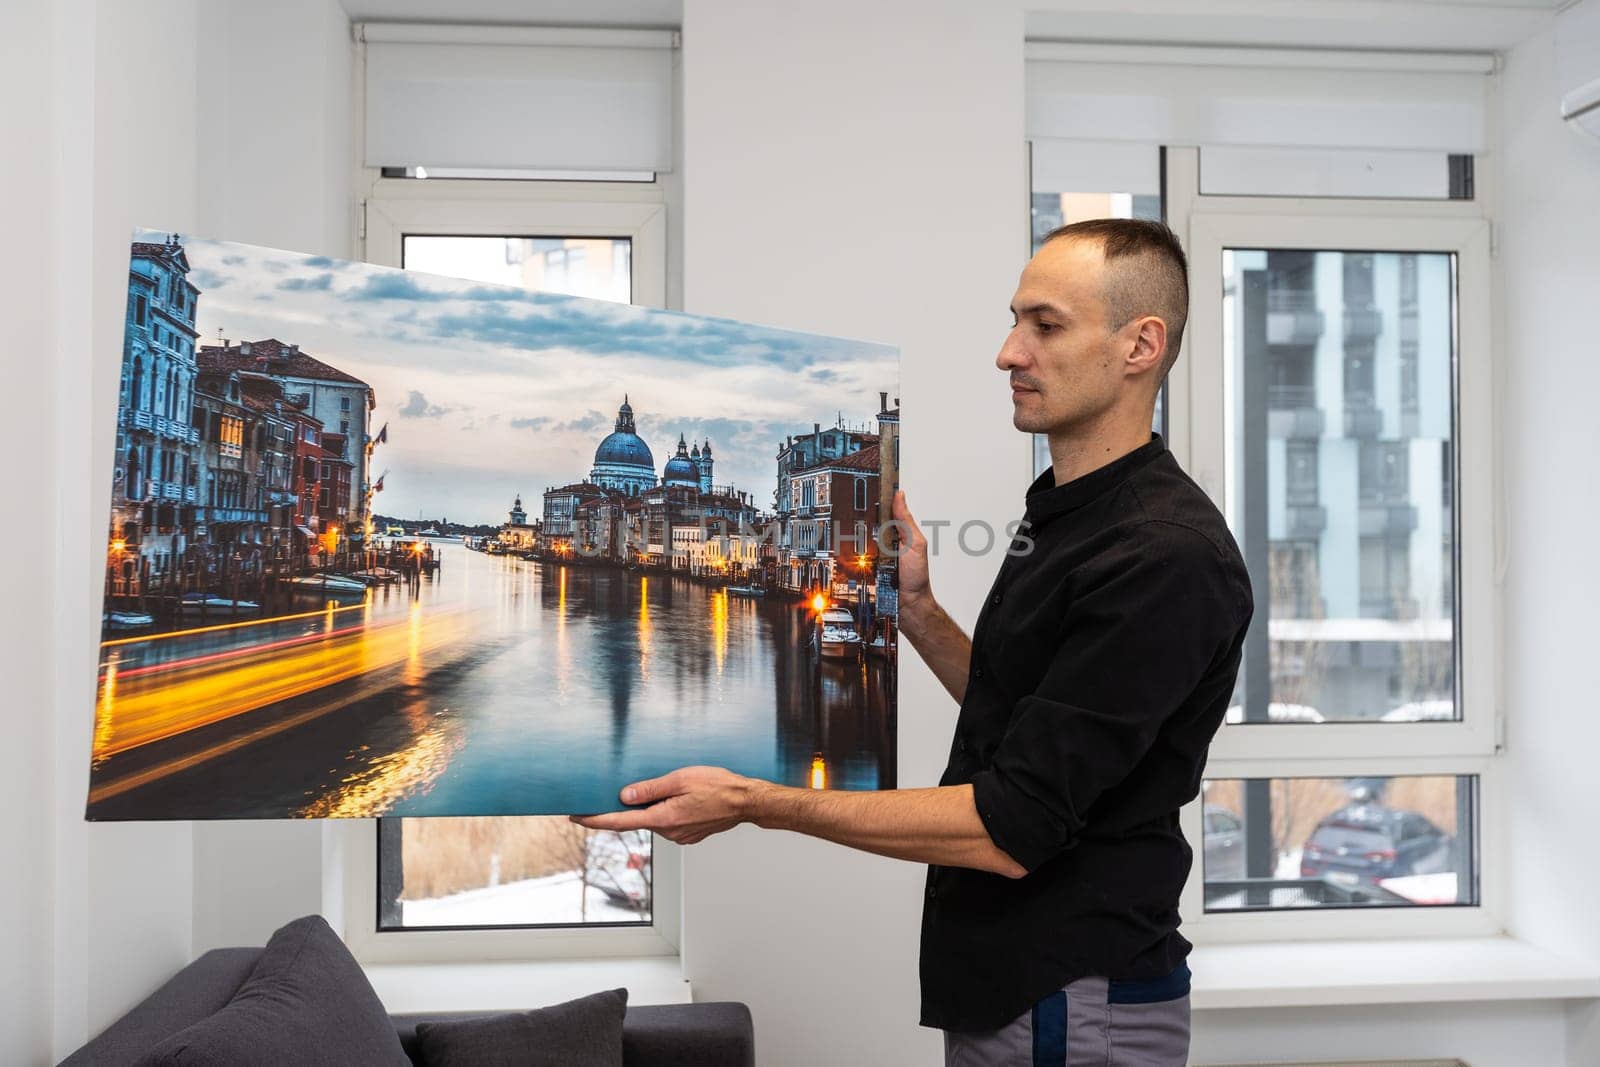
1340	409
1275	843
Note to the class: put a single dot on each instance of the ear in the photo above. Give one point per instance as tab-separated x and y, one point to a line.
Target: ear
1149	344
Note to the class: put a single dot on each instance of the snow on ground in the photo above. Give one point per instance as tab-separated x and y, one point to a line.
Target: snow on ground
552	899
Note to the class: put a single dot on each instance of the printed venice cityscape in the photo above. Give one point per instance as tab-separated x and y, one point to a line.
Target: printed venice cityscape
247	476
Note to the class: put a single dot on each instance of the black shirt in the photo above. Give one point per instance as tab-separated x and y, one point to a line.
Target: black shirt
1102	664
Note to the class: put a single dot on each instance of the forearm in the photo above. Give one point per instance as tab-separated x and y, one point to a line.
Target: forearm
939	826
941	643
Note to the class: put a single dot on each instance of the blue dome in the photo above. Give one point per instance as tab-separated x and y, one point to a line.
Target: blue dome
626	448
680	469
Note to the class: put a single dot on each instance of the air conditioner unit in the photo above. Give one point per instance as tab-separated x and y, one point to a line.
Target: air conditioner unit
1577	33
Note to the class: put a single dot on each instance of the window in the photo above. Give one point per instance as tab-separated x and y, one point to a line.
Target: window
344	403
447	882
1337	360
230	431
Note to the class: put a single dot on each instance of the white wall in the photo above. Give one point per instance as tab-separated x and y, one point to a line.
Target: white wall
1550	257
1527	1034
126	133
28	290
857	169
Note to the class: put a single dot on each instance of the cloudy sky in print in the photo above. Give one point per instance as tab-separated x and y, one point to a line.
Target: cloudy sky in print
491	390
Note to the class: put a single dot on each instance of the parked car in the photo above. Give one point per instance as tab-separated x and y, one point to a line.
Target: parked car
1224	845
1366	843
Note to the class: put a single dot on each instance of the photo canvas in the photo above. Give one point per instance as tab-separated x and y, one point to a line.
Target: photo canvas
383	542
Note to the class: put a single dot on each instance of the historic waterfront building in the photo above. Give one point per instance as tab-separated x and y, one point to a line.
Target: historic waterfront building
341	403
623	462
623	512
155	486
517	533
833	509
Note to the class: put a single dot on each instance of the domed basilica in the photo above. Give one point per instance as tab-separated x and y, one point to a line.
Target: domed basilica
624	463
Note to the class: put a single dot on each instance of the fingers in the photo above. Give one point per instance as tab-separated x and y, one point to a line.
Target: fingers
902	511
652	789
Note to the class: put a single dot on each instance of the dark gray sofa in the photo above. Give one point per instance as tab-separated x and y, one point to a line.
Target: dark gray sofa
670	1035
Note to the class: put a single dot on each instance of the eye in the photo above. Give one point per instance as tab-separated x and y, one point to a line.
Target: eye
1047	327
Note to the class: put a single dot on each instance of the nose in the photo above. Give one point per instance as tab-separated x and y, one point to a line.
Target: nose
1013	353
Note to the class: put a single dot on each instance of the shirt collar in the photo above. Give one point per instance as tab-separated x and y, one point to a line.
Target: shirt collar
1046	499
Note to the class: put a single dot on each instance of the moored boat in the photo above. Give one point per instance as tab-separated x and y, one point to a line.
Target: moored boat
839	637
212	604
331	585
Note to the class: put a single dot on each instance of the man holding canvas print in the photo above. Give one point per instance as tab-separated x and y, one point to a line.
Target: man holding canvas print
1096	675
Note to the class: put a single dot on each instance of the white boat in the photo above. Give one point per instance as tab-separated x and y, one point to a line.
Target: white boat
839	637
431	532
212	604
333	585
878	646
747	590
126	620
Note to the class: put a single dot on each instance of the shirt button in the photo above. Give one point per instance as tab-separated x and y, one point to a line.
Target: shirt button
961	744
977	672
995	599
932	892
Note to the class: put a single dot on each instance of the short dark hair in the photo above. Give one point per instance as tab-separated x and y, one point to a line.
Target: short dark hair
1157	283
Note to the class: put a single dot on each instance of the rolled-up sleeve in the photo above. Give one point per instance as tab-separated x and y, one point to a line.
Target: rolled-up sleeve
1139	638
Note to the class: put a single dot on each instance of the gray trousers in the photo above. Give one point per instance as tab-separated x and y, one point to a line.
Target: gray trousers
1092	1022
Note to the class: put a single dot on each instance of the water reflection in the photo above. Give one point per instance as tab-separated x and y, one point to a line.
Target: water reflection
503	687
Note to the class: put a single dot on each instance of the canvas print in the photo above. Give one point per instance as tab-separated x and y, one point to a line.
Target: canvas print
391	543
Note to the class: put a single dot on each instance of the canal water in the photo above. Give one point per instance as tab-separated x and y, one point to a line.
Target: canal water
499	686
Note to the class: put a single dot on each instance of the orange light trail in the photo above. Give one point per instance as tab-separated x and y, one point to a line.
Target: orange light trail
234	653
177	698
219	627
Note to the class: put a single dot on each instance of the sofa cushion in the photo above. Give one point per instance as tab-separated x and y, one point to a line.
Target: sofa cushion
586	1032
306	1002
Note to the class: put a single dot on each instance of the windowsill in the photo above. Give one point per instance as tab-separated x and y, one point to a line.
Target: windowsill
1289	974
517	986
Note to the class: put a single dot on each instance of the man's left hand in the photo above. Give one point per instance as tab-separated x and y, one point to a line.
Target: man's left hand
686	806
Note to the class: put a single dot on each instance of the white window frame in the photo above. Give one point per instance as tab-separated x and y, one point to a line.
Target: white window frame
395	209
1197	431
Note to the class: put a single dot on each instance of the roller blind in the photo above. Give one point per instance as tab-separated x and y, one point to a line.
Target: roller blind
518	98
1289	98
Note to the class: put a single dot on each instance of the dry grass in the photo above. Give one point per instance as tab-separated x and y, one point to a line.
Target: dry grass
444	856
1298	804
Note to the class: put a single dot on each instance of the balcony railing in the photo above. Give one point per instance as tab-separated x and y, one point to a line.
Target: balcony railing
1291	396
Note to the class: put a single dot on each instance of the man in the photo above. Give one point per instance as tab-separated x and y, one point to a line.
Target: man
1097	674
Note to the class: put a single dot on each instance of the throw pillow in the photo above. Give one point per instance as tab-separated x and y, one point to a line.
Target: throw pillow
586	1032
307	1002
